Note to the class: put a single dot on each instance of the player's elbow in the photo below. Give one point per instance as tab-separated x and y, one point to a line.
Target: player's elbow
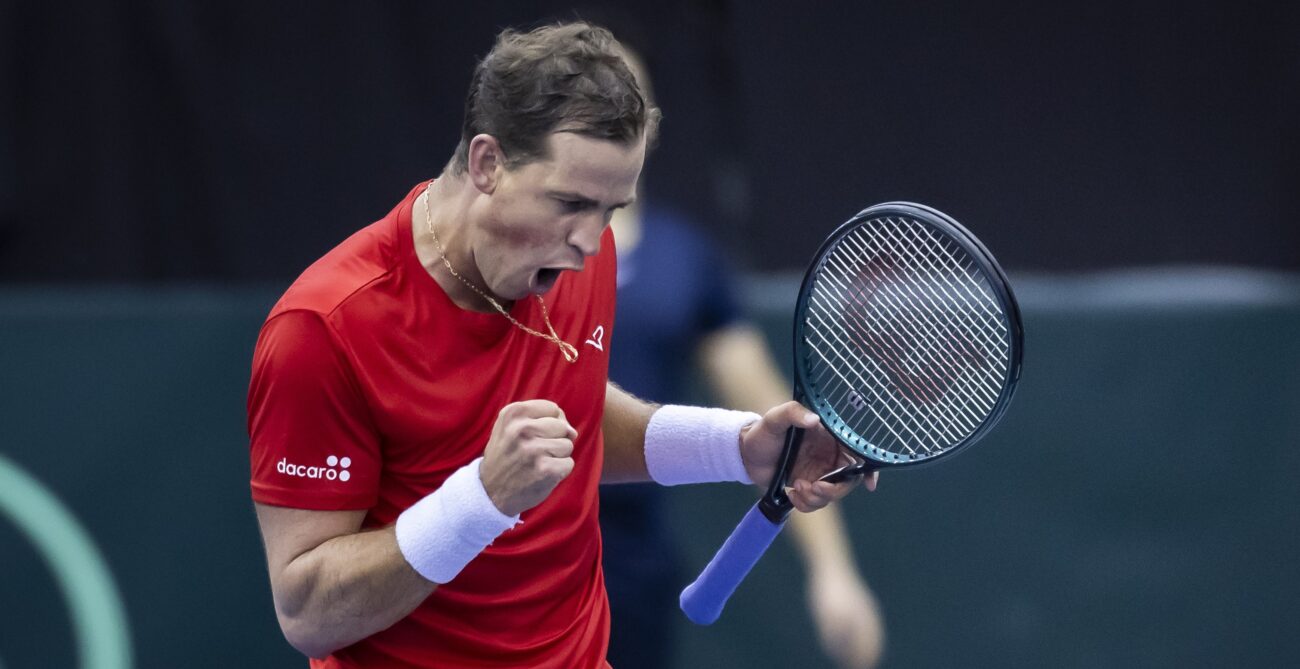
307	638
305	631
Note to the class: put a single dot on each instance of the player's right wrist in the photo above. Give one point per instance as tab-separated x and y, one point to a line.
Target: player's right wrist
443	532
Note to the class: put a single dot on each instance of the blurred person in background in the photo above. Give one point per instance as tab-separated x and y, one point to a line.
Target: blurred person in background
679	317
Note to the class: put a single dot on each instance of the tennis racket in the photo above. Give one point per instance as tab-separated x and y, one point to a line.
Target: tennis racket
907	344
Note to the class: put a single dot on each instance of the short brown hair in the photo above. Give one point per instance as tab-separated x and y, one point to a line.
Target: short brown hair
567	77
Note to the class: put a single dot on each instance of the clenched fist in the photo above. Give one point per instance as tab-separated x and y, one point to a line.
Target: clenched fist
529	453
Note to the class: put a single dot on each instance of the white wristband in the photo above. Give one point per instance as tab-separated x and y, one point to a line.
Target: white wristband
441	533
694	445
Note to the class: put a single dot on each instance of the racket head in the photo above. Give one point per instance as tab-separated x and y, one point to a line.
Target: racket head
927	351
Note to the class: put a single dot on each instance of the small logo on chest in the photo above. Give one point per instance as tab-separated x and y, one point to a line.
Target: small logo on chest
598	338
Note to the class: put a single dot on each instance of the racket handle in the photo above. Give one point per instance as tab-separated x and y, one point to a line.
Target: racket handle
702	601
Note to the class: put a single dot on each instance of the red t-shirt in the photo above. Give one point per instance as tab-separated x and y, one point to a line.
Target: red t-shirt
370	387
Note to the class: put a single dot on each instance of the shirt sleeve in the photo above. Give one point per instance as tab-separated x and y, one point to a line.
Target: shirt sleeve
312	444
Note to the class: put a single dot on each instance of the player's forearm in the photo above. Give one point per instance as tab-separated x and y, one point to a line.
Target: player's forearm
345	590
740	369
624	428
822	541
744	376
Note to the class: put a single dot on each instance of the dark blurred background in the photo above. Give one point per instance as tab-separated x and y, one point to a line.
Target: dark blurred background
238	140
166	168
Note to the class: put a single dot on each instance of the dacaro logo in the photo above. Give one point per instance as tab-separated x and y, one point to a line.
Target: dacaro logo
328	472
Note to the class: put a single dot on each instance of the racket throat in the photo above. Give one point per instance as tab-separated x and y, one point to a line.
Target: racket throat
859	468
775	503
776	508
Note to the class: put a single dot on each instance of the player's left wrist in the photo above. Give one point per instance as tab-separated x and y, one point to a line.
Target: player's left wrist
697	445
753	469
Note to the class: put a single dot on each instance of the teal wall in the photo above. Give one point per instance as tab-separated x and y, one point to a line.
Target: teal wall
129	404
1136	507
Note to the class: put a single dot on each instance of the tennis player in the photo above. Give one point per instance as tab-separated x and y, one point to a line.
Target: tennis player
429	409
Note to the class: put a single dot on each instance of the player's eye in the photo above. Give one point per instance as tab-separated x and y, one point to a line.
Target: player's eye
572	206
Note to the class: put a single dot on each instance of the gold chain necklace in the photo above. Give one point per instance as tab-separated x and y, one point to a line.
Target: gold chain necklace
569	351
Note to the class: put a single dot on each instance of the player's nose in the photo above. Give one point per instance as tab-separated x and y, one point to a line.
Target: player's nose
586	236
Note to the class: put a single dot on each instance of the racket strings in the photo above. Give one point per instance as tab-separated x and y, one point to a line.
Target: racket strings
954	351
941	249
947	337
893	347
909	425
928	429
938	262
909	299
926	359
873	404
993	335
948	356
913	347
850	358
941	341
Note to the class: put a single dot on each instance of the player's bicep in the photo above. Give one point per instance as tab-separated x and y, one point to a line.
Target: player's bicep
289	533
312	442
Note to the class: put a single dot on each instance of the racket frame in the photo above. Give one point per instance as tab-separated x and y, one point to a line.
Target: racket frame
775	503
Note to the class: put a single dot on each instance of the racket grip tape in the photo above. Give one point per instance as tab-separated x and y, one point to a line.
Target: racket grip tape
702	601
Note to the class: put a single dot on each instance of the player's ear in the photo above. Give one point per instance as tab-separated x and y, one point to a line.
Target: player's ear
486	162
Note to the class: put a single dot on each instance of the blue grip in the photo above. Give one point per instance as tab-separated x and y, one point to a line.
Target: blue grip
702	601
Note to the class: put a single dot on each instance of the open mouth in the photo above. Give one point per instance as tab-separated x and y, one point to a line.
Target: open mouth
546	278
